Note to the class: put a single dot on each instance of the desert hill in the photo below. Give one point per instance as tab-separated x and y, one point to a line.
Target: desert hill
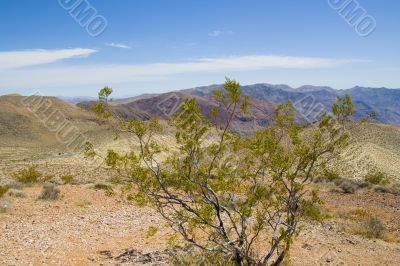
40	128
121	110
375	147
23	119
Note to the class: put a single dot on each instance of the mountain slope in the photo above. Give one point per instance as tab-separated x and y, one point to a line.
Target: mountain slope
164	105
374	147
34	120
121	110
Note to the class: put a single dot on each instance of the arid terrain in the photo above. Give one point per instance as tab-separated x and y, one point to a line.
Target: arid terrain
199	133
93	222
86	227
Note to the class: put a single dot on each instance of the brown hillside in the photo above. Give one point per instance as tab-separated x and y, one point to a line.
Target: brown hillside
31	120
121	110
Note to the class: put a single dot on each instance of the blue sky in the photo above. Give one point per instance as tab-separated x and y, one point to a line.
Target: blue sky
156	45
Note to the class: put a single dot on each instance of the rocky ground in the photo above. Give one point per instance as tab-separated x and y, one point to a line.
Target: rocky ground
83	227
87	227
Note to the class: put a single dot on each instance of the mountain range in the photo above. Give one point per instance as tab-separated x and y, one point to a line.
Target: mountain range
309	102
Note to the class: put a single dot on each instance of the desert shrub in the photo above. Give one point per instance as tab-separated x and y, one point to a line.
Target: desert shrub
396	189
102	186
389	189
16	193
130	197
3	191
47	178
360	213
363	184
328	175
28	175
373	228
315	213
49	192
67	179
366	225
151	231
126	192
311	210
383	189
376	178
116	180
83	204
203	258
347	186
331	175
320	179
108	190
226	196
15	185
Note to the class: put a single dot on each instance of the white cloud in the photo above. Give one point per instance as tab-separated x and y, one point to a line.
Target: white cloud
216	33
26	58
79	75
119	45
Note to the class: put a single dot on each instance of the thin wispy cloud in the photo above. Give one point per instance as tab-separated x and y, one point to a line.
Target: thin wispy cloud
119	45
77	75
216	33
27	58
